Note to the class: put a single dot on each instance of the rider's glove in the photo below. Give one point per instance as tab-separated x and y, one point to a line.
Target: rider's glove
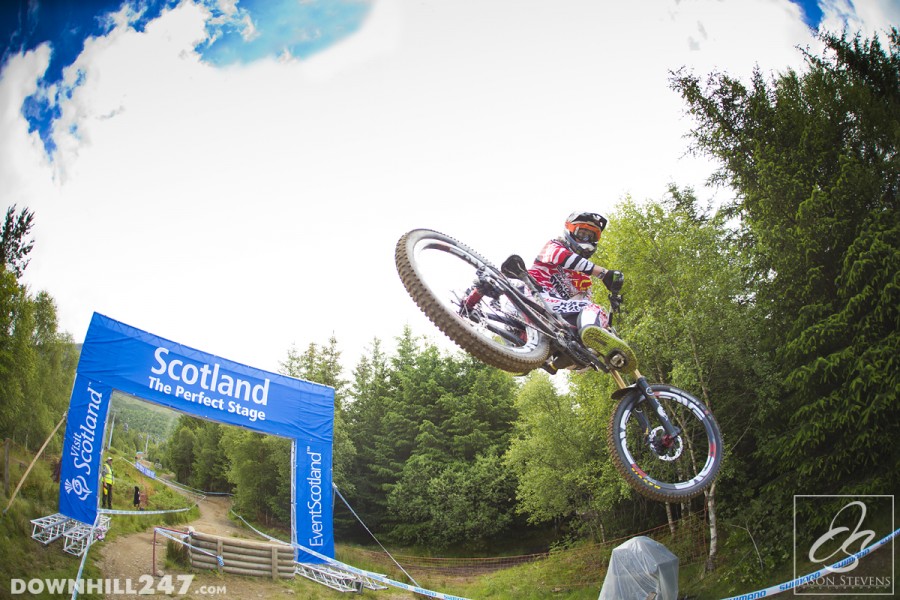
613	280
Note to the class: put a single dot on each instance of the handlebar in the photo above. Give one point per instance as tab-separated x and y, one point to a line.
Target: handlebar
615	302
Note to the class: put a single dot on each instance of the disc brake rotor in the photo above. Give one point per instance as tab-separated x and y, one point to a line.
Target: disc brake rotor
666	447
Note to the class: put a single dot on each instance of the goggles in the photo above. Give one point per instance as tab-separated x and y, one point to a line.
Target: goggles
586	235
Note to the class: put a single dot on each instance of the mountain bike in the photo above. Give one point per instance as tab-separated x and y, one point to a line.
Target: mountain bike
664	441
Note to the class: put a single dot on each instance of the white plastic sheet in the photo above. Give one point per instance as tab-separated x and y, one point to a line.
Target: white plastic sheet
641	569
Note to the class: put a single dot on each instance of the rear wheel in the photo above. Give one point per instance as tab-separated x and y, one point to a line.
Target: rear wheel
664	468
452	285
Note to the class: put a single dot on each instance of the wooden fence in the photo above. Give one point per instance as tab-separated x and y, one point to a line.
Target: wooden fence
243	557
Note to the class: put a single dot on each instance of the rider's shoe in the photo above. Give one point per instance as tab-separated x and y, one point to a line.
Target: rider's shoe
617	353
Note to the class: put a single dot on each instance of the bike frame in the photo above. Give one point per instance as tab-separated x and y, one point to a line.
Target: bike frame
563	338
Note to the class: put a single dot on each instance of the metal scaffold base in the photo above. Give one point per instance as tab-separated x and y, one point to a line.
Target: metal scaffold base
47	530
337	579
78	538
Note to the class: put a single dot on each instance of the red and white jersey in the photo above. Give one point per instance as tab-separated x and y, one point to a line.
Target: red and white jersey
562	273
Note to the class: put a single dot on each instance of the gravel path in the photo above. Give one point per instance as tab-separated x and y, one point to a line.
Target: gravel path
128	559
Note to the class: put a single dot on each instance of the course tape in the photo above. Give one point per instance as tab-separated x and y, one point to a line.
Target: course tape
162	532
377	576
90	542
177	486
110	511
366	527
268	537
351	569
788	585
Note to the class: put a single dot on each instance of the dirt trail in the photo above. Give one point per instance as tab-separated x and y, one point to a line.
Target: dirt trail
130	557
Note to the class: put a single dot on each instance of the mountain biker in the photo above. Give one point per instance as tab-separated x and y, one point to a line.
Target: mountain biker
563	271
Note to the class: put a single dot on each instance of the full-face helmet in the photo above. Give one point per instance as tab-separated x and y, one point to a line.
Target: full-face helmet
583	231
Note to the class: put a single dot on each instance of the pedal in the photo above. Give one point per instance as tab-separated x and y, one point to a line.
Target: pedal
614	351
617	360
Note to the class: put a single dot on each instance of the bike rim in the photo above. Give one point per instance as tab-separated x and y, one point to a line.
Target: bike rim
448	270
698	443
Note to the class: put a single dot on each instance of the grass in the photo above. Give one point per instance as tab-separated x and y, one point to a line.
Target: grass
20	556
572	573
24	558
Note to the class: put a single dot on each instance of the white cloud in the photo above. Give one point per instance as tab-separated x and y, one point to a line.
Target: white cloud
244	209
23	164
869	17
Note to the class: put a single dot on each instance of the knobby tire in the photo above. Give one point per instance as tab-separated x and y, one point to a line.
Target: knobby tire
460	330
637	465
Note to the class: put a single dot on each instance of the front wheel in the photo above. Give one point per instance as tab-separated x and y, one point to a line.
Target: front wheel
657	465
440	274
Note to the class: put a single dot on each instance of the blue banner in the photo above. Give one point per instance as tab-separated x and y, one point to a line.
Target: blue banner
145	470
312	485
79	476
118	356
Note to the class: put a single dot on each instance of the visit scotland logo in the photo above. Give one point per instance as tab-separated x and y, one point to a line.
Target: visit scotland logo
78	486
83	449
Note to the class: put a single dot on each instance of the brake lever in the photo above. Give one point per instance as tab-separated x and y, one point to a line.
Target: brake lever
615	302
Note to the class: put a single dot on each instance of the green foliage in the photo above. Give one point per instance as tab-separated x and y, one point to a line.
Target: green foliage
143	417
180	453
139	426
24	558
457	415
210	465
812	158
20	556
14	245
460	503
690	311
253	469
559	454
37	362
430	430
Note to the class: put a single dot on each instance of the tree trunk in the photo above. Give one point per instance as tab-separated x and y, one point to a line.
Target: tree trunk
713	529
670	519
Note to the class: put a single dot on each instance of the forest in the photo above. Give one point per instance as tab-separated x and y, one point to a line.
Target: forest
779	308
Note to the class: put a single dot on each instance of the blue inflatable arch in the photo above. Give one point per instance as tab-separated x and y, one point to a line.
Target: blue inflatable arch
116	356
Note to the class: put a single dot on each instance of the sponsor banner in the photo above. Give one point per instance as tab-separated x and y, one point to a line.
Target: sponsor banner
205	385
313	509
118	356
145	470
79	474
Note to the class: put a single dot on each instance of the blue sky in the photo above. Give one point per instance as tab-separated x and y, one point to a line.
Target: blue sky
812	12
234	174
249	31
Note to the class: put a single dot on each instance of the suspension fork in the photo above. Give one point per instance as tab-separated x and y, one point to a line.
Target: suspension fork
647	394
